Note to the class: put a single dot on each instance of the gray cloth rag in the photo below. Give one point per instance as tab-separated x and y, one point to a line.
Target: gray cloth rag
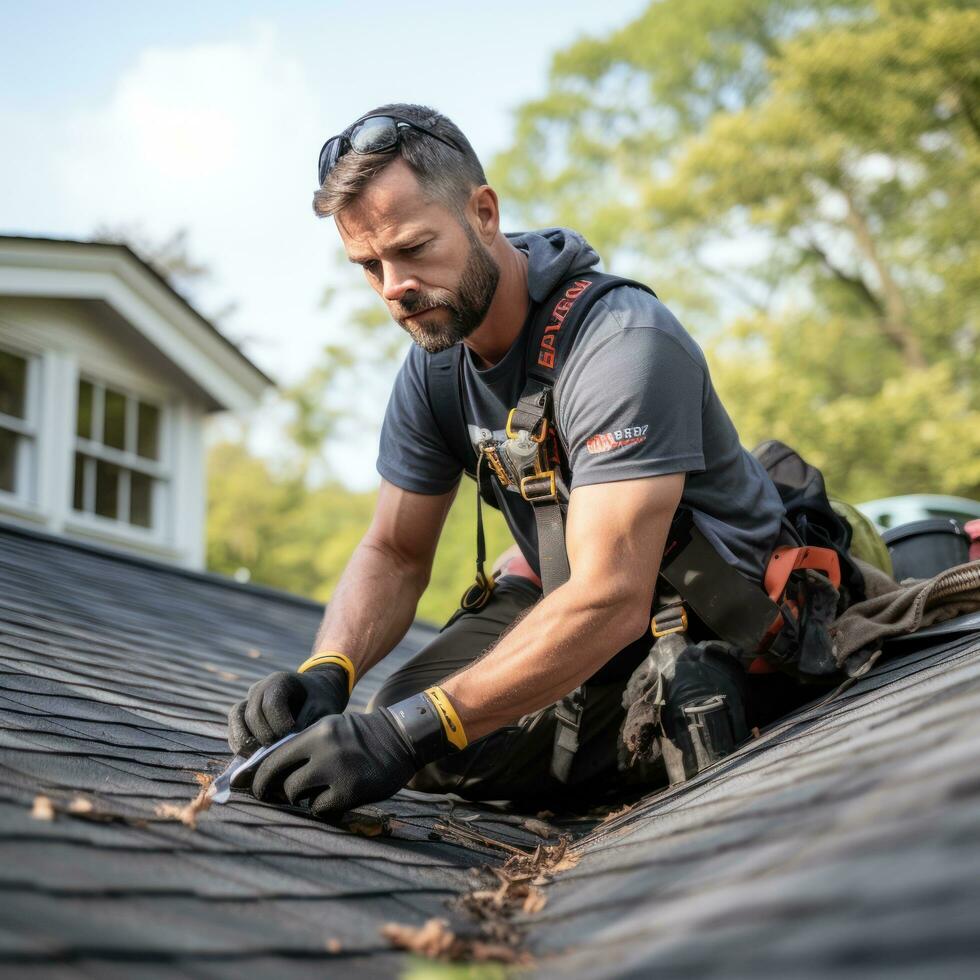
893	609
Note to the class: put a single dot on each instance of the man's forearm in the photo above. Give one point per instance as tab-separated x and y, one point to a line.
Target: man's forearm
565	639
372	607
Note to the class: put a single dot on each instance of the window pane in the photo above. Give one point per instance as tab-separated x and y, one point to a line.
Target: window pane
115	419
107	489
140	500
148	431
78	500
13	384
83	426
8	461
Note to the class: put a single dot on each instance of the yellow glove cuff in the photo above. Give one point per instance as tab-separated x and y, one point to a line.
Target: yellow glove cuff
451	724
331	657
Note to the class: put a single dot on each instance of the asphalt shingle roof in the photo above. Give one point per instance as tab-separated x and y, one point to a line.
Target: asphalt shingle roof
845	840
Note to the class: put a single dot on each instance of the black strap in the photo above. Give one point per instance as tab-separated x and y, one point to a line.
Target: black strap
568	715
445	382
730	605
551	337
445	393
559	321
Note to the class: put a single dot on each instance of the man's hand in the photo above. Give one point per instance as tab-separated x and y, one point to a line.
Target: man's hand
338	764
284	702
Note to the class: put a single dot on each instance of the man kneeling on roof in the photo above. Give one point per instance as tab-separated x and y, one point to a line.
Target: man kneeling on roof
588	416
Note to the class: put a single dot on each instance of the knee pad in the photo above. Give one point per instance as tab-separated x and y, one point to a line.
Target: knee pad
703	714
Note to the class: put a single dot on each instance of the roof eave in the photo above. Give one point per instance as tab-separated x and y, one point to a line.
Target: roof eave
53	268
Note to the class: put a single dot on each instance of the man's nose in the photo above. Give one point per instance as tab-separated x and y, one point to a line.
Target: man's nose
398	280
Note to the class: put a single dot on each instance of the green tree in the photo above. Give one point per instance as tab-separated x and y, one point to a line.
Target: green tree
171	258
270	525
801	179
360	357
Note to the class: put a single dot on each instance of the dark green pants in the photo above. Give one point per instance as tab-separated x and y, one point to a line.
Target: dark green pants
514	762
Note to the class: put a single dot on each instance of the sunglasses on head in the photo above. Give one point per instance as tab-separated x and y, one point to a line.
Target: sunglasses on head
371	134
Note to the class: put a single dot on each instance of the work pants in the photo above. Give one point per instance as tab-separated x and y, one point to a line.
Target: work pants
514	762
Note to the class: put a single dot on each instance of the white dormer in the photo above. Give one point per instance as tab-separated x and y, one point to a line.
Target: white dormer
106	376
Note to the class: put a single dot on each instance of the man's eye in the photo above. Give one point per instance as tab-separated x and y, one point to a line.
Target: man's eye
371	268
414	249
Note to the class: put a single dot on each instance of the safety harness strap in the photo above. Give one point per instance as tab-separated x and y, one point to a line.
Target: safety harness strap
551	338
732	607
445	381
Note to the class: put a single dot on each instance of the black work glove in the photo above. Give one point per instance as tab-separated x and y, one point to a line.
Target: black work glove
284	702
347	760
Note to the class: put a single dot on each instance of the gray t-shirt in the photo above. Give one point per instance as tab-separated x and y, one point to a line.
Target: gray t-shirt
634	399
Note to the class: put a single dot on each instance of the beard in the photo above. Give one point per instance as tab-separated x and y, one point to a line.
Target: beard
464	309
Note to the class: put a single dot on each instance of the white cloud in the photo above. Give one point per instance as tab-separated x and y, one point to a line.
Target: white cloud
219	138
193	128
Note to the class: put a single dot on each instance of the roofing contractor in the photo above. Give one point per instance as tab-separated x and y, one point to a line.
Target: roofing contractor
588	415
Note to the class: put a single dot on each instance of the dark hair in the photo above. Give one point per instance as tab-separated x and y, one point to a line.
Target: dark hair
442	171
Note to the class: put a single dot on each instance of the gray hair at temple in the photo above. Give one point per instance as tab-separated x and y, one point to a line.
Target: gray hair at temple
444	173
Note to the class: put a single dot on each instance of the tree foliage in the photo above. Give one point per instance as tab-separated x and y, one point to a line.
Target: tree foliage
798	178
801	179
271	524
171	258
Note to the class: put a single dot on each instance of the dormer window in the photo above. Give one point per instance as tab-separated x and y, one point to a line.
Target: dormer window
119	470
106	379
18	424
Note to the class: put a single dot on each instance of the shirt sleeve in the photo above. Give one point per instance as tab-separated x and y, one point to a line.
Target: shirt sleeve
412	453
631	405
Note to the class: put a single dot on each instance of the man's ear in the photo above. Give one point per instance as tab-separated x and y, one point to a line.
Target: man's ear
484	212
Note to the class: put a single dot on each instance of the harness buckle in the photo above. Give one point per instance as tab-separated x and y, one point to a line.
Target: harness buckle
568	717
672	619
569	710
478	594
490	451
540	488
538	434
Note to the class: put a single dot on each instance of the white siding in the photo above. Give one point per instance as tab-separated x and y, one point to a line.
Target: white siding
70	338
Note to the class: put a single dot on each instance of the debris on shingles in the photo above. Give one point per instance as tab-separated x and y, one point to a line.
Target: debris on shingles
43	808
516	890
188	814
437	941
225	675
534	901
756	733
539	828
333	946
451	830
368	823
81	808
613	814
253	653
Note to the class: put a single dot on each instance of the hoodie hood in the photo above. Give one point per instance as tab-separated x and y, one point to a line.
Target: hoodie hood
554	254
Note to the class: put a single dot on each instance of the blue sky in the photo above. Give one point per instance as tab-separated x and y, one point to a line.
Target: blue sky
209	116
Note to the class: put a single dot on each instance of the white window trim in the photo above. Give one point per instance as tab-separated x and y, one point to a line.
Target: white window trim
161	471
59	365
24	498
